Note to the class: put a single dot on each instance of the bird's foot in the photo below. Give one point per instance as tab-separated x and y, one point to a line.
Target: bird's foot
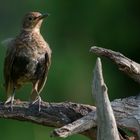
10	101
39	101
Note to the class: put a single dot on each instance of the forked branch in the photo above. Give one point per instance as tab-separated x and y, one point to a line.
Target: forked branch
71	117
124	64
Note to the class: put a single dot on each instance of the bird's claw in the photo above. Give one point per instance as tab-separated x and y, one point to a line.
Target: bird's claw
39	100
10	101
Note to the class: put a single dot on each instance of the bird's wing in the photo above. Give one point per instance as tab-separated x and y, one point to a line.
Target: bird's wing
41	72
43	79
9	58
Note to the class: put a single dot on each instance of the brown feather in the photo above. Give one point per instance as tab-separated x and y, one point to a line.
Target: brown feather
28	59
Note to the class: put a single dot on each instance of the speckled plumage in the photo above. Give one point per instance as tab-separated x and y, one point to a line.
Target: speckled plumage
28	58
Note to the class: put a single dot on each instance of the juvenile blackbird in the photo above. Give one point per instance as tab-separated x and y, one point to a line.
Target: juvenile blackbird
28	59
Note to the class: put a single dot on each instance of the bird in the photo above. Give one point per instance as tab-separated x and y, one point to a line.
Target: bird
27	59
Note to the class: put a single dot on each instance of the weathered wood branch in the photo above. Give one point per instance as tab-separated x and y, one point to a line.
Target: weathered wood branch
52	114
107	128
128	66
79	126
127	114
71	116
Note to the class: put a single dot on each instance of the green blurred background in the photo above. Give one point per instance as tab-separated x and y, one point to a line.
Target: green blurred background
73	27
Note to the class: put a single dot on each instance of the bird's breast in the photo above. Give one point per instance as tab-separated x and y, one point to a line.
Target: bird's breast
34	41
27	68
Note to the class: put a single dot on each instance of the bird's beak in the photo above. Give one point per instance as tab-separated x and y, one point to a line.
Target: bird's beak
43	16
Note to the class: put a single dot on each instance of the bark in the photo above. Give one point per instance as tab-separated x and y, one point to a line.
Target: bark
126	65
71	118
107	127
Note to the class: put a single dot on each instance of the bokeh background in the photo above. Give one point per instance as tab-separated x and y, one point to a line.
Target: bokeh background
73	27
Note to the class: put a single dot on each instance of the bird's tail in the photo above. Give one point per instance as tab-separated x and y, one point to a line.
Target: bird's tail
9	87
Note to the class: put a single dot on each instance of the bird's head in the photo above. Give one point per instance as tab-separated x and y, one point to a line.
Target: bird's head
33	21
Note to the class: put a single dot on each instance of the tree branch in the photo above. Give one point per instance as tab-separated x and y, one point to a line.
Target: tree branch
107	128
126	111
127	114
131	68
53	115
78	126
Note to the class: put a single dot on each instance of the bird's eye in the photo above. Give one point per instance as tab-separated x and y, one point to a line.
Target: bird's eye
30	18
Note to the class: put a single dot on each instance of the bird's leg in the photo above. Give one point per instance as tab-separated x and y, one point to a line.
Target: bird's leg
35	96
8	100
39	100
11	100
